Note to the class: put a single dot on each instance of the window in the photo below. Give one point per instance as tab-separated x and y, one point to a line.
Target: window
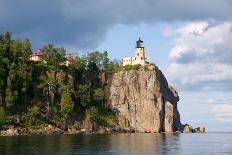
141	58
137	54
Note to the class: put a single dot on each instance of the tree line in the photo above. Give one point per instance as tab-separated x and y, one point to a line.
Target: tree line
45	90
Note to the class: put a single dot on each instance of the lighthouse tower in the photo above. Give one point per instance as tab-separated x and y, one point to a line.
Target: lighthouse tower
139	57
139	53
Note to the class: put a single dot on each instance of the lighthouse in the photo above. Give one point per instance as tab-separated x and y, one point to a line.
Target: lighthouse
139	57
139	53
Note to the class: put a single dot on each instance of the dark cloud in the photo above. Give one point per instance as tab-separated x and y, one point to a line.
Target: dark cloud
84	23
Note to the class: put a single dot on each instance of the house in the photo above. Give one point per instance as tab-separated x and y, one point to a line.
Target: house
139	57
37	57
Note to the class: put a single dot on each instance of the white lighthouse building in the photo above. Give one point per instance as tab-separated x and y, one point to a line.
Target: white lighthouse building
139	57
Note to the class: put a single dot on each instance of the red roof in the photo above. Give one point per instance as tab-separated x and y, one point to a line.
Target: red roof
38	53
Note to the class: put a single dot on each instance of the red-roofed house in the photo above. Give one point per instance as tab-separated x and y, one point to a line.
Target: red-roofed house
36	56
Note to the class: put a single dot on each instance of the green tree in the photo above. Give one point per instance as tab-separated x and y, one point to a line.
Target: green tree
83	95
54	57
98	95
5	59
10	95
26	51
66	104
2	117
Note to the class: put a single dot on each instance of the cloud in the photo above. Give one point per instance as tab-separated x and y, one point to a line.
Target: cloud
84	24
223	112
202	55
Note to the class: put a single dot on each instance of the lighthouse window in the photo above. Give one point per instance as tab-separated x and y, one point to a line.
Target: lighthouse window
141	58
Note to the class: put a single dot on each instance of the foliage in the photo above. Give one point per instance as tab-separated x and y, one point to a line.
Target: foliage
83	95
26	85
9	95
132	67
66	104
149	67
98	95
101	116
33	117
2	117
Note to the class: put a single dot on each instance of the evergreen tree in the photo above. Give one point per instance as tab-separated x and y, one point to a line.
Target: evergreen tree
83	95
66	104
10	99
2	117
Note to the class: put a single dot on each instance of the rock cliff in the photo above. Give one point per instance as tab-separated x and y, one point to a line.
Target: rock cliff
144	101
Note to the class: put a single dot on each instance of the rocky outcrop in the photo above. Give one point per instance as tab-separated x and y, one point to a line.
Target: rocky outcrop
199	130
144	101
187	128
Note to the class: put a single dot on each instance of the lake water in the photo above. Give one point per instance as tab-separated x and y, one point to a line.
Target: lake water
139	143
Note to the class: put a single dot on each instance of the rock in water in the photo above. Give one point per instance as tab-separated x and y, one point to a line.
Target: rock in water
199	130
144	101
188	128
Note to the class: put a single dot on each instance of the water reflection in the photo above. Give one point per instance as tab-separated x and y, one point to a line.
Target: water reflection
143	143
138	143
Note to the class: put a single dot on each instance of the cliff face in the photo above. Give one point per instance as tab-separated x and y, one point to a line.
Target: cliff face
144	101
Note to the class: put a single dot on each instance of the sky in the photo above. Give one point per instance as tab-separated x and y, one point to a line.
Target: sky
189	40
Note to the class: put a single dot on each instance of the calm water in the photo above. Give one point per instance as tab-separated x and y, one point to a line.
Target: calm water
209	143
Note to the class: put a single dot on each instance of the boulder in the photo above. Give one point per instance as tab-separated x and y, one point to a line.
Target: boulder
188	129
199	130
10	132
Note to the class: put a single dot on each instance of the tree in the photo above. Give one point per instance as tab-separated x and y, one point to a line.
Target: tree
5	59
83	95
98	95
54	57
10	96
66	104
2	117
26	51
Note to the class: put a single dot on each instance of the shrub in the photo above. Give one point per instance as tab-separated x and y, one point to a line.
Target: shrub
33	117
132	67
98	95
149	67
101	116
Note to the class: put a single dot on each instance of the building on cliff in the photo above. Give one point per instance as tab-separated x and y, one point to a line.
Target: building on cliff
37	57
139	57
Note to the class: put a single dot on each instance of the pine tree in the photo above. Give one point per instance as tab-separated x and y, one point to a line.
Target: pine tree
66	104
2	117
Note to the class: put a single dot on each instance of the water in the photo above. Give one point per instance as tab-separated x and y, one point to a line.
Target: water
141	144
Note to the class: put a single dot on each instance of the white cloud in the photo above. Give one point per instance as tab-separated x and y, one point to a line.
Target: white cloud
193	73
202	53
223	112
